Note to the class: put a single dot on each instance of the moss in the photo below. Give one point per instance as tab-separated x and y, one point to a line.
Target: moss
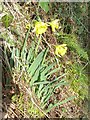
73	44
78	80
30	109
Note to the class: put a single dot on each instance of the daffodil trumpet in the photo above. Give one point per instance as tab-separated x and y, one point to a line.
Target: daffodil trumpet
40	27
54	24
60	50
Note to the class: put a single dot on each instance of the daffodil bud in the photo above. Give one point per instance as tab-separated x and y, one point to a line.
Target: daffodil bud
28	26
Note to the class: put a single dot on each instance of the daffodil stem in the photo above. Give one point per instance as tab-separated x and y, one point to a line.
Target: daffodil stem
36	50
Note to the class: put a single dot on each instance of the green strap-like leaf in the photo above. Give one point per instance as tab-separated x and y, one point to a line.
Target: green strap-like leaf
53	71
25	43
50	84
36	63
43	82
17	58
12	57
60	103
35	76
48	68
30	55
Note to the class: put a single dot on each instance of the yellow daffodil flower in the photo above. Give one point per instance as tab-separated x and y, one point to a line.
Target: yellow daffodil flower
40	27
28	26
54	24
61	50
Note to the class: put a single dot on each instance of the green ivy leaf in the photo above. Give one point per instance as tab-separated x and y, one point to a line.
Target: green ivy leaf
7	19
44	6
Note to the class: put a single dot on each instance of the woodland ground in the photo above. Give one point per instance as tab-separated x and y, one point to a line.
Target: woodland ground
16	100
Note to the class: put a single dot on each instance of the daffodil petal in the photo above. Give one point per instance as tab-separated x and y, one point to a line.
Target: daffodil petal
54	25
40	27
61	49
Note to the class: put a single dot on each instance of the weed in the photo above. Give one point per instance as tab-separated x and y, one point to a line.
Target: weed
7	19
78	80
72	43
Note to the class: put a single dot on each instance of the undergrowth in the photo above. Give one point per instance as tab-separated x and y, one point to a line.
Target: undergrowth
25	106
77	67
72	42
78	80
42	68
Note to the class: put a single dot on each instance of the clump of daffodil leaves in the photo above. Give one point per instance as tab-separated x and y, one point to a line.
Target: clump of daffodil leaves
41	27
